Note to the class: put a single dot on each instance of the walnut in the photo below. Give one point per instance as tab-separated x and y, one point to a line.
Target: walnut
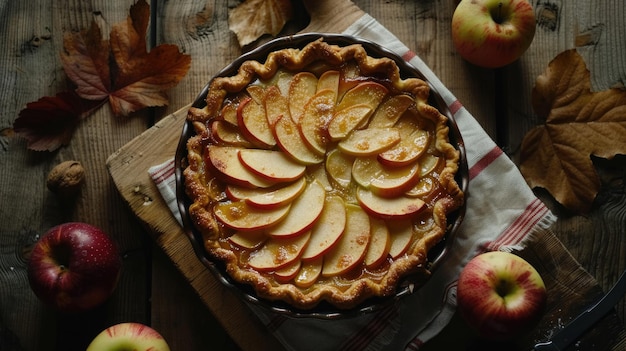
66	178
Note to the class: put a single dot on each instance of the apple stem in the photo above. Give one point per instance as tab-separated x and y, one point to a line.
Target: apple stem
497	14
503	288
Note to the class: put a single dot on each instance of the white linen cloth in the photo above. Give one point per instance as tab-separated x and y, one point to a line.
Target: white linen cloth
502	212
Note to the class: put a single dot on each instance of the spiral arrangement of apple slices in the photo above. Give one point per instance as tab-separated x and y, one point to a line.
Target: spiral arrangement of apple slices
323	178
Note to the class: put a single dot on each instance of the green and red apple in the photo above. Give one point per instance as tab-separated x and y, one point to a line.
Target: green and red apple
493	33
501	295
128	336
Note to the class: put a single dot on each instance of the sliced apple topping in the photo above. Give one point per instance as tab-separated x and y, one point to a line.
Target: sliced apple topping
382	180
278	253
248	239
226	161
328	229
257	93
408	150
339	167
390	111
287	273
401	238
241	216
351	248
229	113
329	80
253	123
316	115
309	273
290	141
389	208
346	120
371	141
302	87
267	198
380	243
271	165
276	106
370	93
304	213
226	133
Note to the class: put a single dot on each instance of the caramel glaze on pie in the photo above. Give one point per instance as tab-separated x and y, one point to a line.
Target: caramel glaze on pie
435	184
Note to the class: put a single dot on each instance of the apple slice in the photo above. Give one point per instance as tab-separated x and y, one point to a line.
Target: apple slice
380	243
390	111
229	113
346	120
290	140
302	87
309	273
351	248
289	272
388	208
382	180
257	93
407	150
226	161
274	166
241	216
329	80
401	233
318	174
371	141
370	93
424	187
328	229
305	211
248	240
253	123
276	105
267	198
316	115
225	133
339	167
429	163
278	253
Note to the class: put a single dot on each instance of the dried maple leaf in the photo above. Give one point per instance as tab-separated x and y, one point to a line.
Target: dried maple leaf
121	69
49	122
578	123
254	18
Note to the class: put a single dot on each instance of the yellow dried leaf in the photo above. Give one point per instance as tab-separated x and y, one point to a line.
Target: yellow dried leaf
253	18
578	123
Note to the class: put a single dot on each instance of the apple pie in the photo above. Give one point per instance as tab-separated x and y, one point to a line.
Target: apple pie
321	174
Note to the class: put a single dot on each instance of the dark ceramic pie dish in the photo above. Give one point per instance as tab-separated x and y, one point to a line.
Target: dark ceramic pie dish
324	310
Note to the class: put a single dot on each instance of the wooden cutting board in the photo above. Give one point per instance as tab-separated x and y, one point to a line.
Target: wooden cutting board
129	169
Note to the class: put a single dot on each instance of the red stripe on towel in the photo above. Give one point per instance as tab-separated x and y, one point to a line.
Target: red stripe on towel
360	340
484	162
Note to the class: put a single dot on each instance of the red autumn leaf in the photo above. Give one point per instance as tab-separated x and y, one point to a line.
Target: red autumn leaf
49	122
121	68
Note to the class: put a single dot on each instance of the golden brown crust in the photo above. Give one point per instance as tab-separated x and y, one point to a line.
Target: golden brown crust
206	189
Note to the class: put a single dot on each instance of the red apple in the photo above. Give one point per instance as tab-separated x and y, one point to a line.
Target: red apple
128	336
500	294
74	267
493	33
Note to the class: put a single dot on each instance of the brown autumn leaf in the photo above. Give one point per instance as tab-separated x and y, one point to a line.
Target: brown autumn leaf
253	18
579	123
121	68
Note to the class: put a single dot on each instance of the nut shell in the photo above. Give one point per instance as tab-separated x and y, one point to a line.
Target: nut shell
66	178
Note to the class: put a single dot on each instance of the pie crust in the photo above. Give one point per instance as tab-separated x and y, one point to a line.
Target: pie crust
369	174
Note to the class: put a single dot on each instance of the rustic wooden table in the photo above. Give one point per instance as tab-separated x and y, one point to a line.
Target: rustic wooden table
152	290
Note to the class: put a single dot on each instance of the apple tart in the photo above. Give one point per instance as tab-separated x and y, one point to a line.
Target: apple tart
320	174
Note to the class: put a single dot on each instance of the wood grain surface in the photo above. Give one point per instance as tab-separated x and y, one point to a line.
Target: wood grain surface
152	289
